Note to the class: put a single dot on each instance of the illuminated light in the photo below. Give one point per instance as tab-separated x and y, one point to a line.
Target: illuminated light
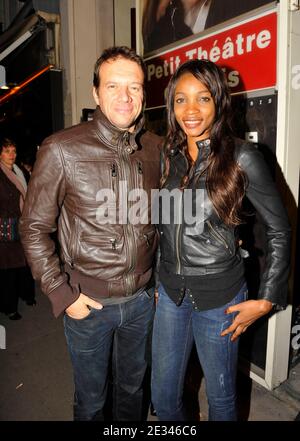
4	87
20	86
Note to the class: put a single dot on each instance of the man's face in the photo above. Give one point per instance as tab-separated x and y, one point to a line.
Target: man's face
120	93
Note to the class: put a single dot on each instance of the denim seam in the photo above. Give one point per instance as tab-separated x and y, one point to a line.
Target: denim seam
184	357
115	372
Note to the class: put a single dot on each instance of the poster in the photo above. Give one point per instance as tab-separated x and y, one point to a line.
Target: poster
247	52
163	22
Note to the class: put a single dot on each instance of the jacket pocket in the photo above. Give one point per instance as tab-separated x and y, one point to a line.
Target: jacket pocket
91	177
100	241
219	237
102	255
148	237
147	241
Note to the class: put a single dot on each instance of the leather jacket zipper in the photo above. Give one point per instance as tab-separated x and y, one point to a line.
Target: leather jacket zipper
147	239
178	239
218	237
113	170
126	138
113	243
139	175
178	236
148	236
96	240
114	177
126	171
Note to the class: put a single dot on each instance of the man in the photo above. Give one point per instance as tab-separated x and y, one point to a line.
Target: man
105	263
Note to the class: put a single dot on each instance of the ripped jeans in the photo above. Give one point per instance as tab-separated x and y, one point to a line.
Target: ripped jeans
175	330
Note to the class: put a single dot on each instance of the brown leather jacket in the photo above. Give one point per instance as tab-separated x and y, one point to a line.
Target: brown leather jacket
63	196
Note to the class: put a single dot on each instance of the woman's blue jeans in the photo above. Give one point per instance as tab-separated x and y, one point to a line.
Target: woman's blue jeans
175	329
123	330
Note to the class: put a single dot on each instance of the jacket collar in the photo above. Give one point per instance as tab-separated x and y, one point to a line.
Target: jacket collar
204	150
204	145
112	135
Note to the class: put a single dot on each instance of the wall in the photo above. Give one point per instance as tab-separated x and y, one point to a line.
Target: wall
86	29
122	21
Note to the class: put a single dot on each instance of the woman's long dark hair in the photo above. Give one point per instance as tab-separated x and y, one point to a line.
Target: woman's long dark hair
225	181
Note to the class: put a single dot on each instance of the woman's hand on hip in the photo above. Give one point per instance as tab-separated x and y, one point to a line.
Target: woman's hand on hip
248	312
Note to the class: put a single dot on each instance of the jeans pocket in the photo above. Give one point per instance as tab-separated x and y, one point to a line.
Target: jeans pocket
80	319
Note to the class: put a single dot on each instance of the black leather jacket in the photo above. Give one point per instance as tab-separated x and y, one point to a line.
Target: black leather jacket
209	246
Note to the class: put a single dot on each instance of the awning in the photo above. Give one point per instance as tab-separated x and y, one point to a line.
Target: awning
19	34
23	50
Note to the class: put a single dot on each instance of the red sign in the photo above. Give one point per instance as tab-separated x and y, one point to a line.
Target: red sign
246	52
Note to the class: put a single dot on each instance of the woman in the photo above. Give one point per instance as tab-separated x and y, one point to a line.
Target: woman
16	280
202	293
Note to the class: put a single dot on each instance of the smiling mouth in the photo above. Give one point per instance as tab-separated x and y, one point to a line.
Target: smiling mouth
192	122
124	110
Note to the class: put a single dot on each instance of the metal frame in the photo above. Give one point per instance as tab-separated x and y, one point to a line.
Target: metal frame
288	158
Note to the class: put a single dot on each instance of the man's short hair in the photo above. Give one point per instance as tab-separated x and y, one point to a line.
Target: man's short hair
113	53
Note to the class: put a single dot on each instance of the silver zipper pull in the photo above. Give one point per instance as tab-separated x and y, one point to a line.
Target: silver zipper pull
113	170
126	138
140	168
147	239
113	243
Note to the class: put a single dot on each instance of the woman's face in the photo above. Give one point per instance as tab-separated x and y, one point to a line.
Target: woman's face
8	156
194	108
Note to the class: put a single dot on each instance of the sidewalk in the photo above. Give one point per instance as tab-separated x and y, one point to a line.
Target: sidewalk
36	376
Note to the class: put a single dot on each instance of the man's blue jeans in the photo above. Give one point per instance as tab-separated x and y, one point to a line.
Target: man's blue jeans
174	331
122	330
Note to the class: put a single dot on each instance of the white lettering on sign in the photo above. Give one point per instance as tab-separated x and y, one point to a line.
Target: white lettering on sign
246	52
229	49
168	69
233	78
242	44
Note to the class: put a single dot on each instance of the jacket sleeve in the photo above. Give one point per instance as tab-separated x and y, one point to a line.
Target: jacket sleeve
38	224
263	195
